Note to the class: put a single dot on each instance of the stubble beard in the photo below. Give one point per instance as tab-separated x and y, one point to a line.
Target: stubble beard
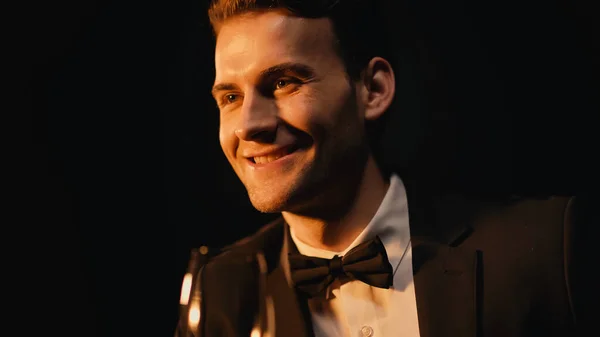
325	188
273	196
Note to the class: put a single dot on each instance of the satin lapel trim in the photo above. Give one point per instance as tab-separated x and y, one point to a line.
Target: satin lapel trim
292	318
448	288
447	275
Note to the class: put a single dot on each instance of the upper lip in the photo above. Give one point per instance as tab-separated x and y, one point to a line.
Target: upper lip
265	152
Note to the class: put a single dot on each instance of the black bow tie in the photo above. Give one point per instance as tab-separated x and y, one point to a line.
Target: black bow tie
367	262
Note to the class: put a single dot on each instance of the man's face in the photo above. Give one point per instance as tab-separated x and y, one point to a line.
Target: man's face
290	122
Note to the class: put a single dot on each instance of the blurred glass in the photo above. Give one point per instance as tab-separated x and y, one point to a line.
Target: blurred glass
264	325
191	294
191	299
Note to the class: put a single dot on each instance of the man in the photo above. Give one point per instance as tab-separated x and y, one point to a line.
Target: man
300	87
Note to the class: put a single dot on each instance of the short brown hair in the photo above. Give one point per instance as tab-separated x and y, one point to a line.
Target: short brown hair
357	24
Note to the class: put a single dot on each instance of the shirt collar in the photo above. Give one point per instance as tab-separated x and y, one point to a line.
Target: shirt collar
390	223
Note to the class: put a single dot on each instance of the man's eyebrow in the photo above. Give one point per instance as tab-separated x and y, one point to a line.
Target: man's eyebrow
223	87
301	70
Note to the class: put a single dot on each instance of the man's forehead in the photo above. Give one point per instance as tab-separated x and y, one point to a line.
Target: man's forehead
256	41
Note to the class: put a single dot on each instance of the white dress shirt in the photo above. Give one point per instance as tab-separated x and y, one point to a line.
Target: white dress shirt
356	309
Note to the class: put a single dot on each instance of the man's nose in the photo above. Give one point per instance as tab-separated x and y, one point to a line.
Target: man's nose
258	120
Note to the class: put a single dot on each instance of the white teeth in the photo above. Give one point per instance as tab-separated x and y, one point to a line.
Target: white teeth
267	159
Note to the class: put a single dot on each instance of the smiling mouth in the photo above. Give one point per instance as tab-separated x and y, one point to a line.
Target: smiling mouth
273	156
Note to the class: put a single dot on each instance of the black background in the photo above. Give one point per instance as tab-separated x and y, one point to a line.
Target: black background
126	174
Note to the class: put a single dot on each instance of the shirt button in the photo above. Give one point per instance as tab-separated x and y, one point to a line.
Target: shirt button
366	331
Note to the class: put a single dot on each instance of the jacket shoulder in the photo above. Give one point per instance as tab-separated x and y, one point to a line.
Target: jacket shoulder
268	240
229	281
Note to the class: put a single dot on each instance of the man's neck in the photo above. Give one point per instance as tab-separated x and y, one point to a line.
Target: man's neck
336	235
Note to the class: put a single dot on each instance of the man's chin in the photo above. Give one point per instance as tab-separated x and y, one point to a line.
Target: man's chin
269	205
270	196
276	195
266	202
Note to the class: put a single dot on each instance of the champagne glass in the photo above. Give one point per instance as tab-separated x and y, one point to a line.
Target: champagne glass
191	293
264	324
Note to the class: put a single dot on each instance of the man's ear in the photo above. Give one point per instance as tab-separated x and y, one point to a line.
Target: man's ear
378	87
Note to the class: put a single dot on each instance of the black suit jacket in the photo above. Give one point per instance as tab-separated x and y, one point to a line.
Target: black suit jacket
481	268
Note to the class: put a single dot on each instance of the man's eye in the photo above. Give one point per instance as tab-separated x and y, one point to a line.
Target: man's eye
286	83
280	84
230	98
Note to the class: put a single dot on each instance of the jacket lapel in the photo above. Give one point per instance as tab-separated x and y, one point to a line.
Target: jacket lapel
447	288
447	277
292	317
